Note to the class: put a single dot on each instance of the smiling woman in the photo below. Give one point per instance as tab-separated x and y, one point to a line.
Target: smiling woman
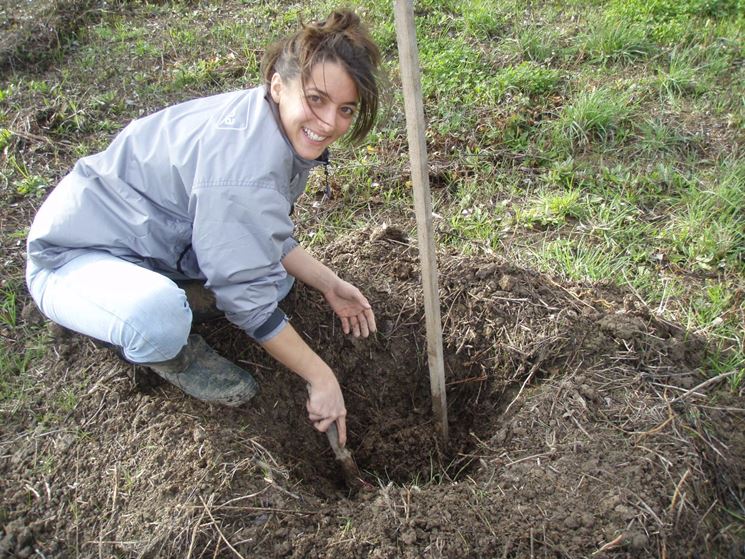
318	113
341	40
202	192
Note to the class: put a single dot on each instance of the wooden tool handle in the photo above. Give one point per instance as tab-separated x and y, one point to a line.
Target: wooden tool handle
333	434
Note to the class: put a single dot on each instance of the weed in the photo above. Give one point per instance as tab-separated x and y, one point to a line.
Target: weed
482	18
66	401
710	305
551	209
103	32
143	48
32	185
8	306
529	78
671	21
313	238
198	73
707	230
5	137
582	259
681	75
183	37
656	137
535	43
46	465
474	225
13	367
615	40
347	528
455	71
662	10
29	184
593	115
714	312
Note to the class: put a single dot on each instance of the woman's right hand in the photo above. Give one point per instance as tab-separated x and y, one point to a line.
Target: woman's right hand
325	401
326	405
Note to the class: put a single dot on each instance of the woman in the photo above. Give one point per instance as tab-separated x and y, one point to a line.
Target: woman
203	191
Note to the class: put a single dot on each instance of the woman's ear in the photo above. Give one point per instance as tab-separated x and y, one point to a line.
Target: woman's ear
275	87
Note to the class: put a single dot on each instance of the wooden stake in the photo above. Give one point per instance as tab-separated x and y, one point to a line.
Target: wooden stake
409	63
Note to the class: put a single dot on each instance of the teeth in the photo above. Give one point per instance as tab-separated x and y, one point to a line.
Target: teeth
313	136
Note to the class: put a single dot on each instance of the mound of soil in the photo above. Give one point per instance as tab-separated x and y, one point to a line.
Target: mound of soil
580	425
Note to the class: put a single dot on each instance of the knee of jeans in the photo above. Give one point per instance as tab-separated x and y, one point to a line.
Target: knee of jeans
32	273
160	325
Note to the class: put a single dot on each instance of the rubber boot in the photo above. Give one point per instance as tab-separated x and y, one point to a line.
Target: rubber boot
201	300
200	372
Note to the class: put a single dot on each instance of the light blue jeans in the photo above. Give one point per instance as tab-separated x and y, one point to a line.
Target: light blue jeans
143	312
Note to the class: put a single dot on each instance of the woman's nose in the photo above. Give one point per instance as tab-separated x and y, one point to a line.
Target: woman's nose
328	119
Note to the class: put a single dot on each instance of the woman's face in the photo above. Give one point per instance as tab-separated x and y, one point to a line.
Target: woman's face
316	116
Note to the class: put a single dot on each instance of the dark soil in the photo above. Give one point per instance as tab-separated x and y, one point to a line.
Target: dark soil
581	424
577	429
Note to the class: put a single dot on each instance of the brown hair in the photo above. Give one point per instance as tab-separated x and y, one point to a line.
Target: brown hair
343	39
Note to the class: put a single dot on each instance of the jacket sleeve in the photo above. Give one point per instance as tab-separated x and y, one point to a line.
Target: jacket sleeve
239	238
289	246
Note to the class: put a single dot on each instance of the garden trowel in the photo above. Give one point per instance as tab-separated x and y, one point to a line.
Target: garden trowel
352	475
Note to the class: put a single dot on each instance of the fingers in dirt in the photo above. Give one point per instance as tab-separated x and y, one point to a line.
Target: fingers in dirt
370	317
364	327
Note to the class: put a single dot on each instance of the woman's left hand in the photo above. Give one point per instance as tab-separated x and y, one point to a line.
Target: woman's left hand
352	308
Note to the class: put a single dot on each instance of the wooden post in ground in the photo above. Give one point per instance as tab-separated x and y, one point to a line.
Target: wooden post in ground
409	64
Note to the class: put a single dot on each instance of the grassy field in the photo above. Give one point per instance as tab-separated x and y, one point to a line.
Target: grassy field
595	141
599	143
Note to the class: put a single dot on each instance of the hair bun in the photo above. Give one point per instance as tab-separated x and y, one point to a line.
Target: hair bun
340	21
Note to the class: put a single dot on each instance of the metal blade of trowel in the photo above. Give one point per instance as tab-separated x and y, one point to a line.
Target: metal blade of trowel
352	475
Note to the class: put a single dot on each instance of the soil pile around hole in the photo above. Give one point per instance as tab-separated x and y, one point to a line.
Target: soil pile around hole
574	431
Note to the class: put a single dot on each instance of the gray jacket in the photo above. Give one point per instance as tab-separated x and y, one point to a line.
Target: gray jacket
202	189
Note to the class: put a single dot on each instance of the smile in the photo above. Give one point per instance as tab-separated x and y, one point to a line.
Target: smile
313	136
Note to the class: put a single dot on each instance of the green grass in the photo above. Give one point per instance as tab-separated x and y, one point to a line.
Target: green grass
593	116
658	136
529	78
453	71
611	40
580	259
482	18
707	231
8	307
682	76
15	362
535	43
551	209
594	140
672	20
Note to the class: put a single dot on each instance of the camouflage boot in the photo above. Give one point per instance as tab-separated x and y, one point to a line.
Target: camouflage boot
200	372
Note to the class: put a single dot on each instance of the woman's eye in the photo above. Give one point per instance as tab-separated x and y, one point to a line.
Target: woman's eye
349	111
314	99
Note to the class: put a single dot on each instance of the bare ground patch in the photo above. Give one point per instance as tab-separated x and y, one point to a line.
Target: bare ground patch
580	425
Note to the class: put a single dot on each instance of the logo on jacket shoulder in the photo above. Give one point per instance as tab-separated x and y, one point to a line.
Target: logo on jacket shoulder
233	118
229	119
